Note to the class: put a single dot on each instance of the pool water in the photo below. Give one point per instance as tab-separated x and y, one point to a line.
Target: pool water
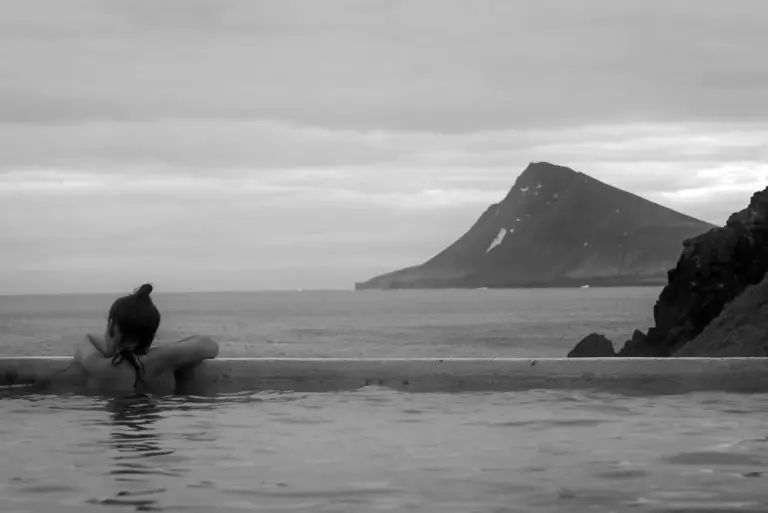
379	450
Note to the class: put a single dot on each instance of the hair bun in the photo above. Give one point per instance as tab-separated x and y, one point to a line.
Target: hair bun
144	291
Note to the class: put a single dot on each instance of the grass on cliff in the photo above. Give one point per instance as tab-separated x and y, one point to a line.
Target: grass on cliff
741	329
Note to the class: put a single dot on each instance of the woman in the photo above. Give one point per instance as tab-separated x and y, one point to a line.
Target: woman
122	357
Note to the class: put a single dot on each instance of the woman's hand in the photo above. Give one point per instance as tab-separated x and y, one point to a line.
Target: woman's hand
104	345
87	349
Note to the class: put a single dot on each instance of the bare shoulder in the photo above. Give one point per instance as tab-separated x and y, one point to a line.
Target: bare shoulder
187	351
103	375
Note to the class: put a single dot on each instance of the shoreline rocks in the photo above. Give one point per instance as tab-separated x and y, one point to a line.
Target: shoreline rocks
636	346
714	269
595	345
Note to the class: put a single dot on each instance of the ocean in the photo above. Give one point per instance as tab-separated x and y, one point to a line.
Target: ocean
375	449
441	323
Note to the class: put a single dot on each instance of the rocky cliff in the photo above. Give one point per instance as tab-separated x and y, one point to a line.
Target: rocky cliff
715	268
741	329
557	227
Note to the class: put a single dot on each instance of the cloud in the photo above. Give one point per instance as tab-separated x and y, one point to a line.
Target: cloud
281	158
287	165
102	235
448	65
221	144
252	143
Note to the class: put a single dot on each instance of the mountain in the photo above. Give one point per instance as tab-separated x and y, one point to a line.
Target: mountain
557	227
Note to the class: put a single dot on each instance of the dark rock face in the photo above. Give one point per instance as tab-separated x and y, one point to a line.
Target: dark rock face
636	346
557	227
593	346
741	329
714	269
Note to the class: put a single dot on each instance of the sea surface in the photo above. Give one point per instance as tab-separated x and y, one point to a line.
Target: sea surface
445	323
377	450
374	449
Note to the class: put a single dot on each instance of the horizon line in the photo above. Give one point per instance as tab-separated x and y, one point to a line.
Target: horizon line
154	293
313	290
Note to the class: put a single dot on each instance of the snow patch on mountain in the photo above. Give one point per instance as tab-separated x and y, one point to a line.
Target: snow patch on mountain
498	239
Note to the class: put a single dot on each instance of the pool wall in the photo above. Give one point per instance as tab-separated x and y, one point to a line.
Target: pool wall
229	375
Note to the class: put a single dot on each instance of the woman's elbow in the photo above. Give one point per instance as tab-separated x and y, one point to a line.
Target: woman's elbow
207	347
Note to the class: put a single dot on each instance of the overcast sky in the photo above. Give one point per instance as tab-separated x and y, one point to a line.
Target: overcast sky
283	144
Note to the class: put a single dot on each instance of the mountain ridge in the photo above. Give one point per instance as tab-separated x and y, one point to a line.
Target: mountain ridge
556	227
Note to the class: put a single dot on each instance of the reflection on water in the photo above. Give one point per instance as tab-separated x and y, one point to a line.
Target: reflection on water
375	450
135	438
133	419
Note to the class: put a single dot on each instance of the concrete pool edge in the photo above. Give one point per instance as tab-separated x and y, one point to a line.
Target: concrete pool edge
230	375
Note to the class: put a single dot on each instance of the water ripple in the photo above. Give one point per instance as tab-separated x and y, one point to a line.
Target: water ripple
377	449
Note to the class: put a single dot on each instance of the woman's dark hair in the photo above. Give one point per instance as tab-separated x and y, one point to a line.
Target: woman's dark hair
138	319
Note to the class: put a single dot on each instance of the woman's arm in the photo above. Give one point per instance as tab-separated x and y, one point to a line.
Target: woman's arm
187	351
103	345
93	348
85	349
90	356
